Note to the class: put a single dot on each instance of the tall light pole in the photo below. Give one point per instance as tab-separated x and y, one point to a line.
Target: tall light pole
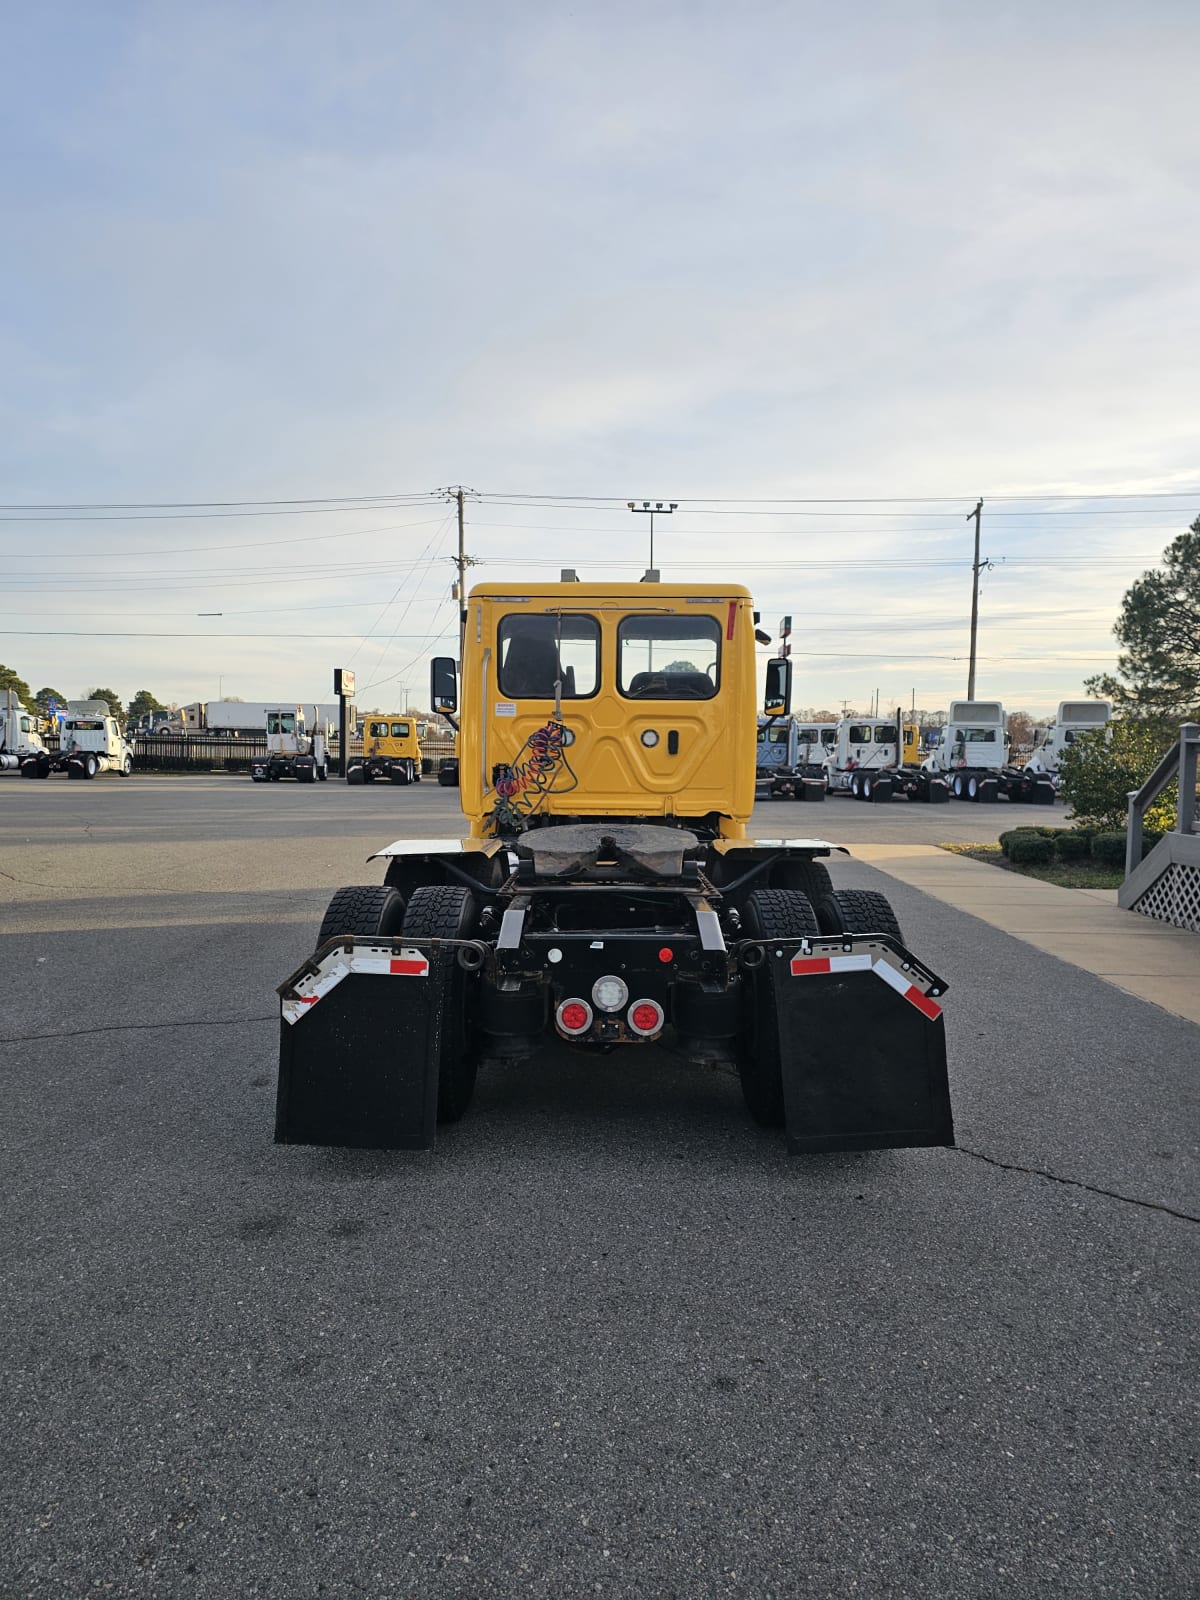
651	508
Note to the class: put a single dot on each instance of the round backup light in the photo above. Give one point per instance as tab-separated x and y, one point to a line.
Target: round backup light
609	993
574	1016
649	738
645	1016
666	954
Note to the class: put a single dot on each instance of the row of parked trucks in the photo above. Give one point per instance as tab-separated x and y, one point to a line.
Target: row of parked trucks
90	741
874	758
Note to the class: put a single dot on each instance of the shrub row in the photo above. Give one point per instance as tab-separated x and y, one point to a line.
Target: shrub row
1033	846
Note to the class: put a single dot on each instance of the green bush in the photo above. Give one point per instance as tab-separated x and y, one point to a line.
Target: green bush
1024	831
1109	849
1073	845
1030	849
1101	767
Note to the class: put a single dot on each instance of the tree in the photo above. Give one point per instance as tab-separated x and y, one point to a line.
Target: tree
144	701
10	680
111	695
1159	627
45	698
1101	767
1020	730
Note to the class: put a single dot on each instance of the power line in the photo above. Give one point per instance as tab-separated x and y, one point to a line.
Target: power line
203	549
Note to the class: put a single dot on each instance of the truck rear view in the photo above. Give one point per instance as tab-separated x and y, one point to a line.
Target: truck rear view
606	896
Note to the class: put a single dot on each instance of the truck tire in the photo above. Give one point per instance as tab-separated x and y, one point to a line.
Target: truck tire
323	772
858	911
356	776
366	908
91	766
856	785
768	914
126	767
809	877
958	786
399	774
450	913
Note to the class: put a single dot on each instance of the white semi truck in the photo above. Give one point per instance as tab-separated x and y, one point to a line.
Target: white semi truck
788	759
866	761
21	747
972	756
1075	717
291	751
91	742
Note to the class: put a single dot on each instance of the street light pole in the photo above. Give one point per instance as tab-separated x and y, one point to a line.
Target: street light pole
650	508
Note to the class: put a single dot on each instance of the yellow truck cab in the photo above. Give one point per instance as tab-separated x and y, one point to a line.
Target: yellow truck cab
912	756
606	895
391	751
653	686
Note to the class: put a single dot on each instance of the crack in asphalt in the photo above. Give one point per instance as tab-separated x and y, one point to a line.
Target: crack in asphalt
136	1027
960	1149
1075	1183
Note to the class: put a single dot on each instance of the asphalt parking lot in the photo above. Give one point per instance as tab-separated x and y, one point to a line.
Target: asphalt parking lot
606	1339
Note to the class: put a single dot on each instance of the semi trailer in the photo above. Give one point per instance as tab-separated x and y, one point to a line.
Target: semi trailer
605	895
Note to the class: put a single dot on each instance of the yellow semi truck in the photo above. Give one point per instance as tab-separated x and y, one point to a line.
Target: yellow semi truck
606	894
391	751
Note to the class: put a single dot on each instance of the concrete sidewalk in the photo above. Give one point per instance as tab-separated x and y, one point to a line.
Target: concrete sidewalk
1083	926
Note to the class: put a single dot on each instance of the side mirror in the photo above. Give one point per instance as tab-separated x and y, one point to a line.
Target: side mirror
777	695
443	684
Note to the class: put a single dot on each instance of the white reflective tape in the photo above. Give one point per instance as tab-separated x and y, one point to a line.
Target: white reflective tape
370	960
898	980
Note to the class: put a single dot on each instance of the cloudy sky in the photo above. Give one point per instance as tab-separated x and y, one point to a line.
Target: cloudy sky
823	275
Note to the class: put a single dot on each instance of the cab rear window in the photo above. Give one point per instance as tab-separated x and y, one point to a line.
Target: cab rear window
669	658
399	730
541	656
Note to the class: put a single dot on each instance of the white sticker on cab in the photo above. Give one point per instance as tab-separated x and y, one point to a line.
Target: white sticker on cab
505	708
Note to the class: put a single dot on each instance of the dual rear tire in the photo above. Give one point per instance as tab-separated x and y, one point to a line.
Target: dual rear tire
377	910
789	914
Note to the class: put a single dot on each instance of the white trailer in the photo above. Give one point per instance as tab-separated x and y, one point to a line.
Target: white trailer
237	718
1075	717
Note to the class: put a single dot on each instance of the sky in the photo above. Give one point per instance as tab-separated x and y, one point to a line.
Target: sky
823	276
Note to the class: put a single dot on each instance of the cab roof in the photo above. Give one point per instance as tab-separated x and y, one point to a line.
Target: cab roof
629	589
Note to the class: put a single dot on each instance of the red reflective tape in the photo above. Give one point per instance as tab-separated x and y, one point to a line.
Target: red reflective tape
802	968
923	1003
411	969
307	999
732	617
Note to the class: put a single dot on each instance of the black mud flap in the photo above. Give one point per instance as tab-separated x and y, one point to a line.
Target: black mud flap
863	1046
810	789
358	1045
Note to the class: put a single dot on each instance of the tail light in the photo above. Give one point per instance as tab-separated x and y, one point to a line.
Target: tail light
646	1017
573	1016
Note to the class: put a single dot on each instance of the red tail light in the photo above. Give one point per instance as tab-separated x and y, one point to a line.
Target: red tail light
574	1016
646	1017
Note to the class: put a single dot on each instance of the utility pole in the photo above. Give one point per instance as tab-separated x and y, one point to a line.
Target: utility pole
975	565
462	561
